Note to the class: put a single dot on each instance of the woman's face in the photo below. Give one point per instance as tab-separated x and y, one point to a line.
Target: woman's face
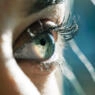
27	43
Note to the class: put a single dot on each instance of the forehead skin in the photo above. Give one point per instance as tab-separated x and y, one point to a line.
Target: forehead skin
16	6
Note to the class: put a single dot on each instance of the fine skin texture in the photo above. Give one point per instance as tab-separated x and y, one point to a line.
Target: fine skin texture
27	77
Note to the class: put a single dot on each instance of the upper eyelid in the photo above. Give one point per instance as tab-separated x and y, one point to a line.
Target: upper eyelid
27	21
23	24
43	30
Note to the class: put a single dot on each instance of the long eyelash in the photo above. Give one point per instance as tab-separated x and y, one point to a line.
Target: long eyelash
68	32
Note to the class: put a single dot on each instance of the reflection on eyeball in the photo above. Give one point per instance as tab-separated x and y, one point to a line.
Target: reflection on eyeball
40	47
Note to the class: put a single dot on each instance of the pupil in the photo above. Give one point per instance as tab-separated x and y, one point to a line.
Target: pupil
42	42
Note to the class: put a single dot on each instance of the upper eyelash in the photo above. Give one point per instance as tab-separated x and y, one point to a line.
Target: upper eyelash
68	32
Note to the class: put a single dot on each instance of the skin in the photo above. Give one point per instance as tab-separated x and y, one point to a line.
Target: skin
24	77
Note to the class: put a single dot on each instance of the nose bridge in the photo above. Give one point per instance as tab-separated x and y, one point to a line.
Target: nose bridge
6	44
12	11
5	38
7	10
10	8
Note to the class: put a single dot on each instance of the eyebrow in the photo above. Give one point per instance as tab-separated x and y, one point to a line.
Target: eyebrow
41	4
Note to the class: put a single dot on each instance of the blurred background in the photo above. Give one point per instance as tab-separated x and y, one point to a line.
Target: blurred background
79	53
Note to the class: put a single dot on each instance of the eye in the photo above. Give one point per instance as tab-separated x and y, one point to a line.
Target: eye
34	44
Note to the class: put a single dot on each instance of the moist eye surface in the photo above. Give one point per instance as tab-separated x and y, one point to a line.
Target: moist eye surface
35	47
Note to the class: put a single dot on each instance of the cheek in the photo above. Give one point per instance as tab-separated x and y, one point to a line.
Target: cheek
29	67
36	72
34	68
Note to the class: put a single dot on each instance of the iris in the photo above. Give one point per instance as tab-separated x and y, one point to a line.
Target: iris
41	46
